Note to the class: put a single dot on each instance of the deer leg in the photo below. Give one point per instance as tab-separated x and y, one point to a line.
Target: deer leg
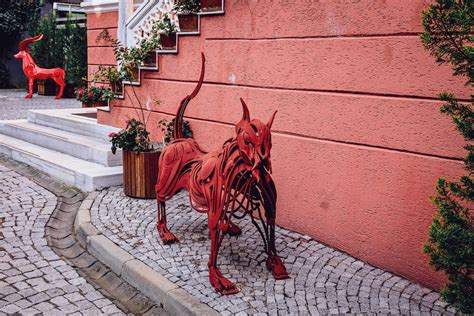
30	89
166	235
221	283
60	82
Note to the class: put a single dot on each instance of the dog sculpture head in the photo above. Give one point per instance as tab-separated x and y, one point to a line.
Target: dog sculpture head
254	140
22	47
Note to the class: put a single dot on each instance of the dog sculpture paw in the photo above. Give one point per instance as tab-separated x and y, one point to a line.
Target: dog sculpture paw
234	230
277	267
166	236
221	283
29	96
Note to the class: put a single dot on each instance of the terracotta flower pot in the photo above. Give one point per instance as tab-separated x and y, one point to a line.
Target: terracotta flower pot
140	172
94	104
188	22
135	74
117	87
168	42
150	60
46	87
211	5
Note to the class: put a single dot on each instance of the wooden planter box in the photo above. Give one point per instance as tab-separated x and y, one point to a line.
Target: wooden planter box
94	104
140	172
211	5
168	42
46	87
188	22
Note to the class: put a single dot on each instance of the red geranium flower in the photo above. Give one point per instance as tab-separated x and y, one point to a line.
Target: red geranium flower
112	134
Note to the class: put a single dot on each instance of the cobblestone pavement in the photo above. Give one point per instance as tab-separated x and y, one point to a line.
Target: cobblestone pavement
33	278
13	104
40	259
323	280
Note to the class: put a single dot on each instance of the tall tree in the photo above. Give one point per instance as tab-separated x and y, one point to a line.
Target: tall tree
448	28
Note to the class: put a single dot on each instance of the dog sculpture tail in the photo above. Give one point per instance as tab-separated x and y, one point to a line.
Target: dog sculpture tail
178	121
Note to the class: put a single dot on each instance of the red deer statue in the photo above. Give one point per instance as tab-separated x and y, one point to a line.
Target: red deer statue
225	184
34	72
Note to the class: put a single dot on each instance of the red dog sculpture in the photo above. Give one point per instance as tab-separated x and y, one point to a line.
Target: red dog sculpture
225	184
34	72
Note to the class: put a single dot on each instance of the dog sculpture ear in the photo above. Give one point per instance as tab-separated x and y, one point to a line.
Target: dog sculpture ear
270	121
246	114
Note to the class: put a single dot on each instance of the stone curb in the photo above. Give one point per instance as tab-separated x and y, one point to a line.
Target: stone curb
165	293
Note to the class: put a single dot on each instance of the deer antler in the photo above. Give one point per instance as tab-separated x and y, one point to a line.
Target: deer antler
25	42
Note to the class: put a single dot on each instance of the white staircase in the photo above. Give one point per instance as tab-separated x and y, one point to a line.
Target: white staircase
66	144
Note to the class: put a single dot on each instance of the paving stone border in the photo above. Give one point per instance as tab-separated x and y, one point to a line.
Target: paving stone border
61	239
167	294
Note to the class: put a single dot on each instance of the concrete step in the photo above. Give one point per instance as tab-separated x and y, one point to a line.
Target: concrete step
72	120
84	147
85	175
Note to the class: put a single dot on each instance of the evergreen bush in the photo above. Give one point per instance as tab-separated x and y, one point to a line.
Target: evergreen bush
448	27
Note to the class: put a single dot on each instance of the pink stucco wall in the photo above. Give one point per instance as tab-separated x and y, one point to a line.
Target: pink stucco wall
358	140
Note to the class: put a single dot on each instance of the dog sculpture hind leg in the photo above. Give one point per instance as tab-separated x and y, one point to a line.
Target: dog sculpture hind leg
175	165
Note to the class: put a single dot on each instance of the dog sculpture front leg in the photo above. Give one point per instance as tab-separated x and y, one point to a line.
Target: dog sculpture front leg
218	228
268	191
165	234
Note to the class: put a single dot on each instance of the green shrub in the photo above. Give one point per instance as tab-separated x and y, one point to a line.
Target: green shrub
48	52
16	16
61	47
448	26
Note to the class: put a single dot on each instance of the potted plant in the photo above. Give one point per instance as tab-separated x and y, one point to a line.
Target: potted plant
187	17
130	58
140	157
167	128
94	96
211	5
110	75
167	31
